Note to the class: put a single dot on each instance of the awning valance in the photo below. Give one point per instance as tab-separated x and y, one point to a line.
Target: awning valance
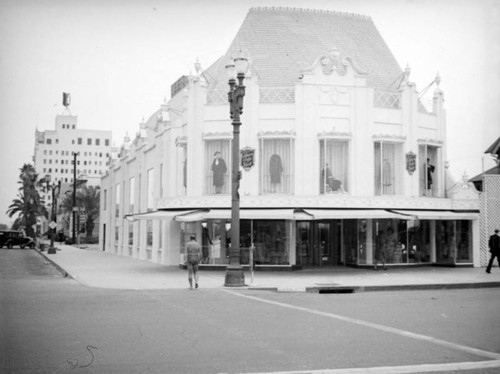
353	214
438	215
160	214
284	214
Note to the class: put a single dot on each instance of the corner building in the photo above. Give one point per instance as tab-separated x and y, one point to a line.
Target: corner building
349	162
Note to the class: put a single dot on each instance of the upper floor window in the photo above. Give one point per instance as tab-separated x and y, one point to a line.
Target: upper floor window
217	166
117	200
89	141
150	189
276	165
131	194
388	168
106	142
49	141
427	172
334	164
79	140
97	141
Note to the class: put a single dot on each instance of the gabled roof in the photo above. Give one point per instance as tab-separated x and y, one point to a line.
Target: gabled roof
281	42
494	148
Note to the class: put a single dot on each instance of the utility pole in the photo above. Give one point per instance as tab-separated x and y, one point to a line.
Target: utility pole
75	154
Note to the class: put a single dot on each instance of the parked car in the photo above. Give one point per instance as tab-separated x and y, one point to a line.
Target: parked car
11	238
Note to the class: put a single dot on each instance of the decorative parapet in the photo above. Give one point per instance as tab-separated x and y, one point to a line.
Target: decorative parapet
429	141
277	95
390	100
389	138
217	97
217	135
277	134
333	134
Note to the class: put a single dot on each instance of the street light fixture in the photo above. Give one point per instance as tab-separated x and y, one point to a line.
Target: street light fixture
53	223
236	69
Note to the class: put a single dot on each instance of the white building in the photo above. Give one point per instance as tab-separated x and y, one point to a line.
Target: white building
350	164
54	154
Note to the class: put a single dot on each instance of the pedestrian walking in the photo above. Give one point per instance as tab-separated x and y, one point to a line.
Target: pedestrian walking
194	256
494	244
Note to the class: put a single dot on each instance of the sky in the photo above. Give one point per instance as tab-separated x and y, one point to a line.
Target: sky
118	60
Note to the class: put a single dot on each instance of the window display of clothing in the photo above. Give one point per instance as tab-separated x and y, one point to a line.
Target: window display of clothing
275	168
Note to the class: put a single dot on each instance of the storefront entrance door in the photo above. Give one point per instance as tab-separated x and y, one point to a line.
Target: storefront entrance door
318	243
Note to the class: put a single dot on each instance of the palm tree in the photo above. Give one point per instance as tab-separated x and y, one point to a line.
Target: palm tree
28	204
87	199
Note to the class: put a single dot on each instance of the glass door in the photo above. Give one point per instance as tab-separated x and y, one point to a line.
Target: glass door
316	243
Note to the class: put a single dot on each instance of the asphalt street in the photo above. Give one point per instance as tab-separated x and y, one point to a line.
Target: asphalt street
53	324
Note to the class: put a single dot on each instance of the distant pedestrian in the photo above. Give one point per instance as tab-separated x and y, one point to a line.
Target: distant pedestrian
494	244
194	256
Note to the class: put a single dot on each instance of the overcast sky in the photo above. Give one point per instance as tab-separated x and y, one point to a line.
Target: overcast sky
119	58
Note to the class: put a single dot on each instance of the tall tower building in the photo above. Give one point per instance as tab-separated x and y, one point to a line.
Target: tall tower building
54	150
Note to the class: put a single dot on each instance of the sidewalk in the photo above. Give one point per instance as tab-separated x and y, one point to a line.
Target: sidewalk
94	268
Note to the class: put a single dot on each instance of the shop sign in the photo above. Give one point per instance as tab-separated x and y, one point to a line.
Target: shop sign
411	162
247	158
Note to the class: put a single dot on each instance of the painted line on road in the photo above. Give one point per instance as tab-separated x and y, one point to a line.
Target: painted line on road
392	330
425	368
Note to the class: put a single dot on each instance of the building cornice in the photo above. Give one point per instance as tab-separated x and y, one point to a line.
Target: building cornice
342	201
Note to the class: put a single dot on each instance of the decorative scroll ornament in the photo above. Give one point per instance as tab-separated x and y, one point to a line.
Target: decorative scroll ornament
247	155
411	162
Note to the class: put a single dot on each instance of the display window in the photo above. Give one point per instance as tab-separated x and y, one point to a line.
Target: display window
333	166
276	166
217	166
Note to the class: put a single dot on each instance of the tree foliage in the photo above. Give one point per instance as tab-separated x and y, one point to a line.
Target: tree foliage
28	205
87	199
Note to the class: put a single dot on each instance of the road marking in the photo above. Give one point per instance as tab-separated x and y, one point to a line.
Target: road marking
392	330
426	368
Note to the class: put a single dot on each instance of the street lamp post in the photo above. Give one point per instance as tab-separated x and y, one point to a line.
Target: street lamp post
235	70
53	223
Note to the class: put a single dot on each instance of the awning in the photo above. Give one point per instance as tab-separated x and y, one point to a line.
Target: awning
286	214
160	214
439	215
353	214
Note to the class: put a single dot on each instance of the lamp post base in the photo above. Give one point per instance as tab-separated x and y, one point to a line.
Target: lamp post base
51	250
235	277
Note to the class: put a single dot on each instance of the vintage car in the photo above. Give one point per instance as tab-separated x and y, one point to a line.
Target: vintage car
11	238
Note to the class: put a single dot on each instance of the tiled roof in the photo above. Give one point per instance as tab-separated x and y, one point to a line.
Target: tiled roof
282	41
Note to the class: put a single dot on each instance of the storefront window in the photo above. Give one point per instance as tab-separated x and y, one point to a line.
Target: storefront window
390	241
333	166
276	166
217	166
464	246
149	233
351	241
271	243
428	173
388	168
445	242
419	242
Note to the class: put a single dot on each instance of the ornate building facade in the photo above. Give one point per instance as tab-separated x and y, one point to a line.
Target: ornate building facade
348	168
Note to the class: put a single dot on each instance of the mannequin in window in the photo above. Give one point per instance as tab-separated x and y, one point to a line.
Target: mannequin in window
218	169
332	184
275	169
430	169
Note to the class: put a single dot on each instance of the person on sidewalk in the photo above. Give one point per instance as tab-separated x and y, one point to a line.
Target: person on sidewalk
194	255
494	244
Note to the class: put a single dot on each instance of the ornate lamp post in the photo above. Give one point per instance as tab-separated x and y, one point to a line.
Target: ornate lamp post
53	223
235	70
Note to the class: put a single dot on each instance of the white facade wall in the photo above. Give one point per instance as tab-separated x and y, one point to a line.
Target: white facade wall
325	106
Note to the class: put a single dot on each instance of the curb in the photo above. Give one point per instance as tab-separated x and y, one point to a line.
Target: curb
64	273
